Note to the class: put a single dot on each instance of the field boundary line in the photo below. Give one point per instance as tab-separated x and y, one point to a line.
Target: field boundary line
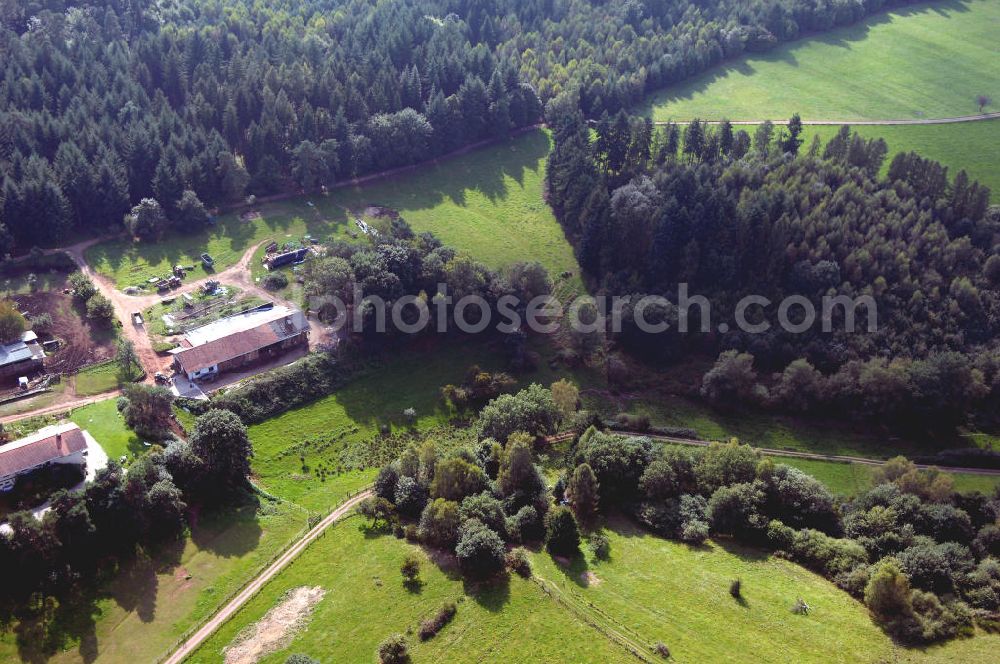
610	632
188	643
815	456
993	115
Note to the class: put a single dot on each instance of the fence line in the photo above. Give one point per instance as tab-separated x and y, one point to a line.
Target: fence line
263	567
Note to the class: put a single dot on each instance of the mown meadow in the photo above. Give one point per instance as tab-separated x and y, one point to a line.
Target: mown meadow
649	590
928	60
487	203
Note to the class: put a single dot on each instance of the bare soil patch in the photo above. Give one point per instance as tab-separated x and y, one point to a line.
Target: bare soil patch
590	579
275	630
379	211
80	342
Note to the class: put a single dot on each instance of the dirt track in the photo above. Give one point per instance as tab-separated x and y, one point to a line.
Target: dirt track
251	589
60	407
125	305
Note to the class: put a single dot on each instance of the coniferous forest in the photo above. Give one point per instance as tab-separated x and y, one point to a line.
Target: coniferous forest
731	215
106	103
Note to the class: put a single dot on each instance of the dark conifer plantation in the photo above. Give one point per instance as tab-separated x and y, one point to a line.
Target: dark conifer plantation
104	103
729	216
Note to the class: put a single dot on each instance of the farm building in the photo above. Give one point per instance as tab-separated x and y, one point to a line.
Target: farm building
59	443
254	336
21	358
273	261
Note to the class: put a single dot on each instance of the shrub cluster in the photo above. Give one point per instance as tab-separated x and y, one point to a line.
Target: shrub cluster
430	627
910	533
98	307
472	501
282	389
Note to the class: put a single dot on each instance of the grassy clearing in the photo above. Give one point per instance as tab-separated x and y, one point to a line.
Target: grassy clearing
969	145
100	378
487	203
140	615
298	453
324	431
15	282
773	431
366	602
107	426
924	61
669	592
852	478
652	589
499	219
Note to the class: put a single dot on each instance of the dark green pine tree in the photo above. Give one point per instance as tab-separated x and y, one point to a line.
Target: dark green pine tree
595	220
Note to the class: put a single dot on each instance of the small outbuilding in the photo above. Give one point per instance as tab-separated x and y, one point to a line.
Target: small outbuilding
21	358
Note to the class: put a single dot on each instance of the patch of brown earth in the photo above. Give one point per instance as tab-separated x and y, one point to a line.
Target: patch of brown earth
376	211
590	579
275	630
183	579
81	343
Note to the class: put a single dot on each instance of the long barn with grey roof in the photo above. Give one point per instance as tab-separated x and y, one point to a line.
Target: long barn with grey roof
241	340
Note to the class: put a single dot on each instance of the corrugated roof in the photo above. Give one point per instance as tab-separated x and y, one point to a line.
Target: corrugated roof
20	351
236	323
47	444
241	342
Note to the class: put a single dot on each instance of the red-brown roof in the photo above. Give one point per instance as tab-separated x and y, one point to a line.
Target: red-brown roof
49	444
235	345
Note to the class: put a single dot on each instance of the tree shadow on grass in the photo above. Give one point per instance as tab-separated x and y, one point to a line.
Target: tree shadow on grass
135	589
445	561
43	634
492	594
228	530
375	530
742	551
574	568
486	171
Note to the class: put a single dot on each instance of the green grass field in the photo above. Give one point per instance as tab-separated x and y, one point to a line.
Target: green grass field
760	429
107	426
848	479
651	590
150	606
347	422
366	602
924	61
669	592
487	203
972	146
99	378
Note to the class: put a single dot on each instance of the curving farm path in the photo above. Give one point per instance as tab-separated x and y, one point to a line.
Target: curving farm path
226	612
124	305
